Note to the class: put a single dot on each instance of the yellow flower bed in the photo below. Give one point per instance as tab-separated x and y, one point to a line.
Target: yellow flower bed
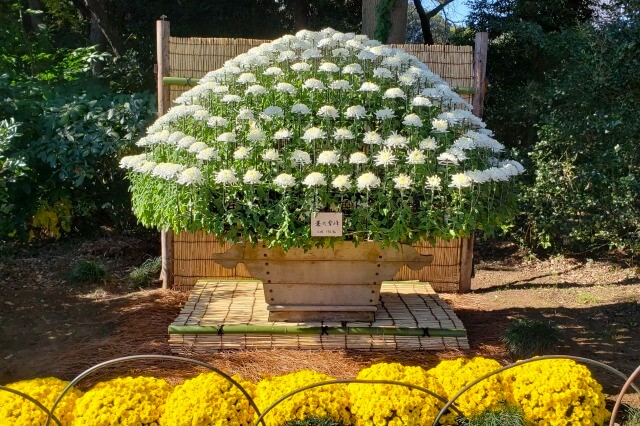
557	392
453	375
325	402
209	399
382	404
124	401
17	411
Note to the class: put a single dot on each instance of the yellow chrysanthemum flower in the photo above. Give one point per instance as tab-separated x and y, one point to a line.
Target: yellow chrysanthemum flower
17	411
209	399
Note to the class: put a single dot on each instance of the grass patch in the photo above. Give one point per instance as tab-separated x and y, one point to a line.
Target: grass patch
508	416
146	273
633	416
526	338
314	421
88	271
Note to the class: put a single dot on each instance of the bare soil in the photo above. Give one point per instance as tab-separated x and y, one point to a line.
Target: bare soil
52	326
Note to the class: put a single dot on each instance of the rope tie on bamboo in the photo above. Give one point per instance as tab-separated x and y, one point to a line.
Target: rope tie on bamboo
220	330
324	330
425	332
188	81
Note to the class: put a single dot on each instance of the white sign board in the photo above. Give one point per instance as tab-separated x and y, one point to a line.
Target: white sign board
326	225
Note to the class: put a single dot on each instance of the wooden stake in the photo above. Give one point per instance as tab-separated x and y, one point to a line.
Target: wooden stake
480	72
164	94
466	264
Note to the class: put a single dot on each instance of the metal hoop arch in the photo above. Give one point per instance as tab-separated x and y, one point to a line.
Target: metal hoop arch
527	361
349	381
38	404
623	391
126	359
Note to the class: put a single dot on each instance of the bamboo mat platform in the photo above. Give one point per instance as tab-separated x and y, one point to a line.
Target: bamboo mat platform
216	305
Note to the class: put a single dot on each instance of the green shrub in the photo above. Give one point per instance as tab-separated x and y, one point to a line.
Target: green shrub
507	416
314	421
633	416
526	338
146	273
88	271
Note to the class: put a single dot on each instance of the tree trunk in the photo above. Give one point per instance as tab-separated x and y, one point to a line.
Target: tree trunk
425	19
36	20
397	33
96	10
301	14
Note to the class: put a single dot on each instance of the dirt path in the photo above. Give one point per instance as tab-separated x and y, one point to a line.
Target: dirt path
50	326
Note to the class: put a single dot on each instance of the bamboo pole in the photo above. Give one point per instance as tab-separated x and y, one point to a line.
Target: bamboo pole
302	330
164	99
480	71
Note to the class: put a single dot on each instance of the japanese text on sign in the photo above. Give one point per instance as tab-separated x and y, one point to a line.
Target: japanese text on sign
326	225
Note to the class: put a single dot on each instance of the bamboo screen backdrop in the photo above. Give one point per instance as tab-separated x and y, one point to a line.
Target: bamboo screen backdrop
193	57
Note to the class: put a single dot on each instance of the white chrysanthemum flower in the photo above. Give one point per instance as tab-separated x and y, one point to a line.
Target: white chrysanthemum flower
191	176
352	69
216	121
519	167
197	147
394	93
273	71
433	182
328	158
382	73
245	114
365	55
392	62
282	134
314	133
384	114
402	182
186	142
407	79
313	84
341	182
226	177
301	109
241	153
145	167
358	158
355	111
340	85
354	44
343	134
175	137
447	158
372	138
201	115
420	101
328	67
429	144
314	179
271	155
385	158
286	55
368	181
460	154
227	137
395	140
464	143
439	126
255	89
328	111
230	99
252	177
340	52
207	154
301	67
273	112
311	53
415	157
131	161
300	158
326	43
498	174
460	180
369	87
412	120
256	134
284	180
286	88
246	77
167	170
478	176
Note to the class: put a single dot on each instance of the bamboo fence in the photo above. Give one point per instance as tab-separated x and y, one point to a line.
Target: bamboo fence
187	257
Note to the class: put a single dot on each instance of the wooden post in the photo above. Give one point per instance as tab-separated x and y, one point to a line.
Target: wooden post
480	71
164	98
466	264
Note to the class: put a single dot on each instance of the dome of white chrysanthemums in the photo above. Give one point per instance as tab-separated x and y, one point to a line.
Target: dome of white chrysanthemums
318	121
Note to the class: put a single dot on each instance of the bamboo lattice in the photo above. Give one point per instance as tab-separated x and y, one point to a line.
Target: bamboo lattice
193	57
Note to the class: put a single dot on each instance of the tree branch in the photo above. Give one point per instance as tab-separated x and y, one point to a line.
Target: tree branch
425	18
